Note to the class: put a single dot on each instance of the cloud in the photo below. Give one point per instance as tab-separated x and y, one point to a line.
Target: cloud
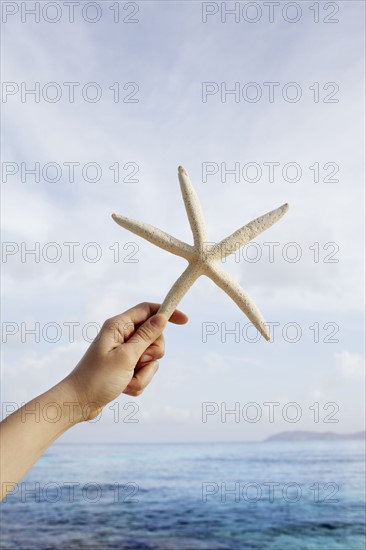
171	125
351	366
222	362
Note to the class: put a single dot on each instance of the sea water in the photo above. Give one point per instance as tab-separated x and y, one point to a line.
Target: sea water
267	496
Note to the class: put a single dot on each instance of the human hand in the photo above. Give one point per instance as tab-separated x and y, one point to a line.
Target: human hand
122	359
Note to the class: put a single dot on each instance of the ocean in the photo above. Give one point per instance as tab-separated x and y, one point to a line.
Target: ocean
267	496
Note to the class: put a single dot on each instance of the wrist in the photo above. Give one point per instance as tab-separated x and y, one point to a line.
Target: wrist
77	406
69	402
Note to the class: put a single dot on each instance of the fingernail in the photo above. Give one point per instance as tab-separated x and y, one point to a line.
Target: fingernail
145	358
158	321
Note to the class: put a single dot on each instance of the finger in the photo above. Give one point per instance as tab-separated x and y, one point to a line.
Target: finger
118	329
141	312
113	332
178	318
141	379
155	351
144	336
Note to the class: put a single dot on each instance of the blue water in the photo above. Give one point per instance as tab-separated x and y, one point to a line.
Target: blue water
177	497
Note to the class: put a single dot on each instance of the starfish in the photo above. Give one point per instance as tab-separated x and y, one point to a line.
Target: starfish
203	256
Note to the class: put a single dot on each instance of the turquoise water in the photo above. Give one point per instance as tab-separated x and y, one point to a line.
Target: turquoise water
266	496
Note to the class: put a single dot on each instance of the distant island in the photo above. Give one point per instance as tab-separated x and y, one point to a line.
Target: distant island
315	436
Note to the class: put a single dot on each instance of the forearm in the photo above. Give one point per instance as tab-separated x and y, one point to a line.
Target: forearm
110	366
28	432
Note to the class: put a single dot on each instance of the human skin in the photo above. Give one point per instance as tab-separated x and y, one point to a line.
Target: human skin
122	359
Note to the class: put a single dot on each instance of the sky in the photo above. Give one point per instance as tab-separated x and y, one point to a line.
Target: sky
262	106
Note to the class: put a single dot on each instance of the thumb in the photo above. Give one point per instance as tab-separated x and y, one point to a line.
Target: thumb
145	335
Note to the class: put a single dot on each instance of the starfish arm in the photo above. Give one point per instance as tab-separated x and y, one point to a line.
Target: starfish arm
247	233
155	236
179	289
239	296
193	207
